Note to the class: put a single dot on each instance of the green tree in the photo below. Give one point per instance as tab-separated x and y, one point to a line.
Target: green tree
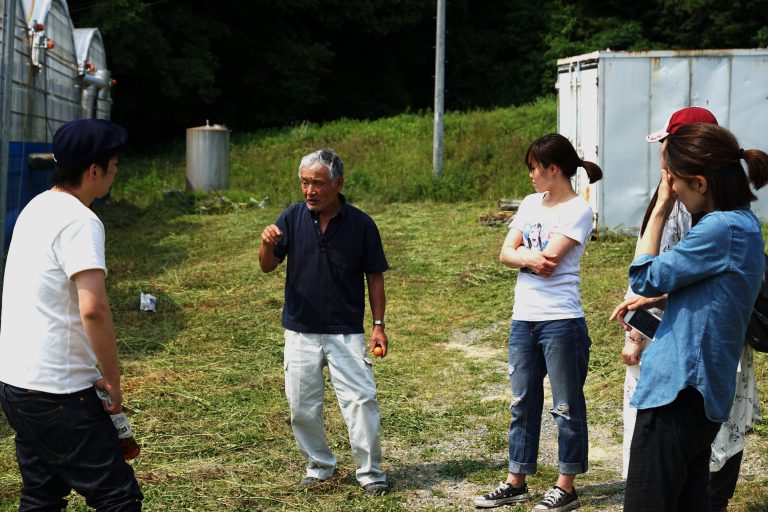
712	24
161	56
264	63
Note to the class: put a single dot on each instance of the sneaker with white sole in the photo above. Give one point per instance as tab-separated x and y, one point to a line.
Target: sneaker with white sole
504	494
558	500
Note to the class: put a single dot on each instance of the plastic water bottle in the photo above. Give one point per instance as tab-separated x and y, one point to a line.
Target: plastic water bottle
131	448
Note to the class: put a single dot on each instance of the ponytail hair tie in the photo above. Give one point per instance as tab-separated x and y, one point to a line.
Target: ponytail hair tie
581	163
741	153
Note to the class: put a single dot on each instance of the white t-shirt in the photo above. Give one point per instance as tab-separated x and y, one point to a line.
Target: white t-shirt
557	297
43	345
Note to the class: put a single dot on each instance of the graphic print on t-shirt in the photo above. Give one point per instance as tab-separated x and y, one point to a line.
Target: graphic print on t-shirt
536	236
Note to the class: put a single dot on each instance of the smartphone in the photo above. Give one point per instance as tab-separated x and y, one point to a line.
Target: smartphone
643	321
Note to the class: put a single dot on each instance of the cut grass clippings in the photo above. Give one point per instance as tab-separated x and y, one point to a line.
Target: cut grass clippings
203	377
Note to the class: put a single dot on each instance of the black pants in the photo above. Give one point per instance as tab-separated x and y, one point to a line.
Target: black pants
722	483
669	457
66	442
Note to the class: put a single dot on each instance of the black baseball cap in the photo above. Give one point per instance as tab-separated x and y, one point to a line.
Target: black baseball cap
79	143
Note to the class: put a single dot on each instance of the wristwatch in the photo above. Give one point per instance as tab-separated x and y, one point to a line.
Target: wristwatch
378	322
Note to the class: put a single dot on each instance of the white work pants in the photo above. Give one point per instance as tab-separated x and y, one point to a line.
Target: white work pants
352	378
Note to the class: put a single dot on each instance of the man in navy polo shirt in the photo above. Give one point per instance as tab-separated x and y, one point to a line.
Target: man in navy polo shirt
330	246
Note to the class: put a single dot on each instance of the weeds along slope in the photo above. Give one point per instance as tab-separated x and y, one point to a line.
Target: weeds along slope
387	160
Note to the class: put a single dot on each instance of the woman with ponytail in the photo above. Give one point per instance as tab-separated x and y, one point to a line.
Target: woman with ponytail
711	279
728	446
548	333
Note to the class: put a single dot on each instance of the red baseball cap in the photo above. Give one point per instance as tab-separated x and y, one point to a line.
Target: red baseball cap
681	117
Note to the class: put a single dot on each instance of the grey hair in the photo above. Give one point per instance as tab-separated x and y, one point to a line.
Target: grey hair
325	157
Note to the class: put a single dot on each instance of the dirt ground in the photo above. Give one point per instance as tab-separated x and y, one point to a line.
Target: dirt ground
428	487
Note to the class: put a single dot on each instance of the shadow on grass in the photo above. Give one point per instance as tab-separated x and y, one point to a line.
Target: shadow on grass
604	494
139	253
428	475
5	428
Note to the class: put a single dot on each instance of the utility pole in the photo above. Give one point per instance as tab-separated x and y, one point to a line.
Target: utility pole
437	145
9	38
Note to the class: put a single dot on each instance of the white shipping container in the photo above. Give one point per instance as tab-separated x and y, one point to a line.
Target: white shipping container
609	101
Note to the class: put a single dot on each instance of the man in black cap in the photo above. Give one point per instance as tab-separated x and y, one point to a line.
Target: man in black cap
57	339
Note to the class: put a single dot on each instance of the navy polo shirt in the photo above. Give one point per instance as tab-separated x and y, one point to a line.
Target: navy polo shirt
325	278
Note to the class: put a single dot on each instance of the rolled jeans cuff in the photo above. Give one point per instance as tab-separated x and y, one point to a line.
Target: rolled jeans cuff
522	468
572	468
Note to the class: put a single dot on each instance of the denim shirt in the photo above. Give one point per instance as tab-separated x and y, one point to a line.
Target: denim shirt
712	277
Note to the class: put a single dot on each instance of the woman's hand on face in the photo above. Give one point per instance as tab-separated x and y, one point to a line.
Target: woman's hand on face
667	196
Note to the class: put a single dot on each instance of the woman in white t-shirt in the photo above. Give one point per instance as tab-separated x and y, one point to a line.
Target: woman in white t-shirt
549	335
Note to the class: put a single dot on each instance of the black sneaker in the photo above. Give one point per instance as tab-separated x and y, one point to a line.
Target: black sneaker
311	481
502	495
558	500
376	488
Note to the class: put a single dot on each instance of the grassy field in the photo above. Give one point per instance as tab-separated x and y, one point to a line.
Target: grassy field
203	376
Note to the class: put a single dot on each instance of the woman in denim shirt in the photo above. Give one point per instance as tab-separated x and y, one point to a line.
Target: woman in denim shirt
687	378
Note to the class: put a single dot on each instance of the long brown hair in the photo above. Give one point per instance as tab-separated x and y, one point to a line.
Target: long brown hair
711	151
556	149
695	217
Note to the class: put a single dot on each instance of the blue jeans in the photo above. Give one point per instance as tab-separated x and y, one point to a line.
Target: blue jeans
66	442
559	348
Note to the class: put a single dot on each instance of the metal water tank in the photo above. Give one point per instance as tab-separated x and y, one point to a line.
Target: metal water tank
207	158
